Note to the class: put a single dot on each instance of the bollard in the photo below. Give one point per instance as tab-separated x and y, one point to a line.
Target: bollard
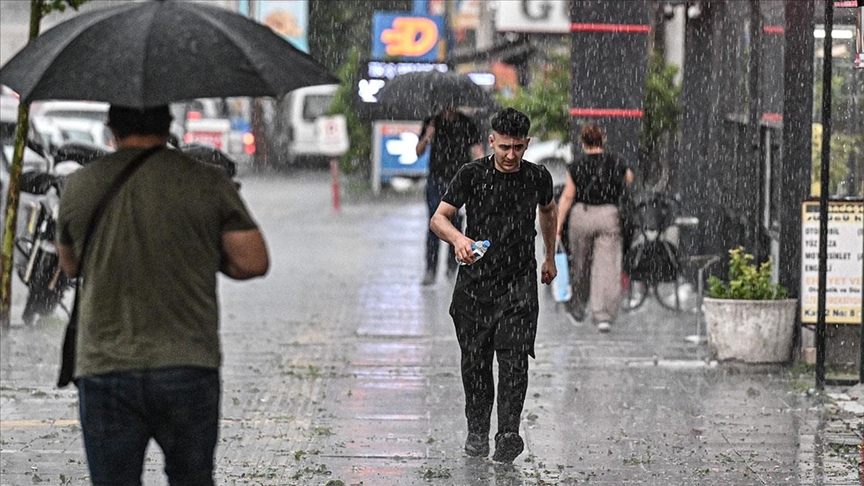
334	179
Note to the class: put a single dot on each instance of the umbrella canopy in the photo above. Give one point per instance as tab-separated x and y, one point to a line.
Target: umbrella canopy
421	94
154	53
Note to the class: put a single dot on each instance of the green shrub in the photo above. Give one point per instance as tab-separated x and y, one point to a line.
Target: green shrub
746	280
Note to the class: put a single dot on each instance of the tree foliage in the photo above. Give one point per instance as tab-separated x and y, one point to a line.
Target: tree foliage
546	100
662	102
359	132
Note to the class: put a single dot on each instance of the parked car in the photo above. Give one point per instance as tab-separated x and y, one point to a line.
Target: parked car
222	123
56	131
293	132
92	110
34	160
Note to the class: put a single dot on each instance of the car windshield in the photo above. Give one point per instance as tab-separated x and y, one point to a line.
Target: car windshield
99	116
77	136
316	106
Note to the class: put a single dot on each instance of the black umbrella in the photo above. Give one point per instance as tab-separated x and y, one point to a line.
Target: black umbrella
420	94
212	156
153	53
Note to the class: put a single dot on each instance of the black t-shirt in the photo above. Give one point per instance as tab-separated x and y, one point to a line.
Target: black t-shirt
451	144
502	208
599	178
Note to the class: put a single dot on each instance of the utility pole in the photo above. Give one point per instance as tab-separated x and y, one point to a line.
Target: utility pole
754	122
825	174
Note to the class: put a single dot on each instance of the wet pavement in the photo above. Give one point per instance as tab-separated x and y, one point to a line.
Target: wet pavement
339	368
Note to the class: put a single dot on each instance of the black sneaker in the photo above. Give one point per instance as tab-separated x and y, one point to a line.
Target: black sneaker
477	445
429	279
508	446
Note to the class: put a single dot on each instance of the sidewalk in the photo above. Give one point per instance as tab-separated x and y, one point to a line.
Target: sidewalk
339	368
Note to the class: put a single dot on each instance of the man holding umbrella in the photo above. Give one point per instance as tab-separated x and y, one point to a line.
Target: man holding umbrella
455	140
147	350
149	228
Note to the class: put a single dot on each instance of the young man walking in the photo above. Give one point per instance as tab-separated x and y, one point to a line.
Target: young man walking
495	305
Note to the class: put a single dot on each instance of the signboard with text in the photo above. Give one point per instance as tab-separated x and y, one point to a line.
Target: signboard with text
406	37
288	18
843	298
548	16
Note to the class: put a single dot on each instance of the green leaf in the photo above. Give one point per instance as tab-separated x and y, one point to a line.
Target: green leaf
747	281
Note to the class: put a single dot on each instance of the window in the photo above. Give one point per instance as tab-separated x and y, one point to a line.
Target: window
316	106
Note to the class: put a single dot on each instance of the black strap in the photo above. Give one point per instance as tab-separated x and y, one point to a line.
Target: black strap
112	191
67	365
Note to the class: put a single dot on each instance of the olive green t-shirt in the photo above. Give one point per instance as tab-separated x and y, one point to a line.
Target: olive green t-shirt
149	278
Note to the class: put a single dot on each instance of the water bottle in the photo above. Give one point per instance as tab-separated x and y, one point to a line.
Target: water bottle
479	248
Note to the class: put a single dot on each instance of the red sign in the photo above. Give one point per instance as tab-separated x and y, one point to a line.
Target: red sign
213	139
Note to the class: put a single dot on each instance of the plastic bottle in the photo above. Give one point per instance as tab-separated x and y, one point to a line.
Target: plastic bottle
479	248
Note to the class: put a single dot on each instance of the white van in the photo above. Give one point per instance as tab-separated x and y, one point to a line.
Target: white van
292	135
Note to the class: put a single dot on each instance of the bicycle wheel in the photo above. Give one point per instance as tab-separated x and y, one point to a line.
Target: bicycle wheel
677	295
634	295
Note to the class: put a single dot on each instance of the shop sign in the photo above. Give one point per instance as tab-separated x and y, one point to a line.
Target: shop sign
843	296
405	37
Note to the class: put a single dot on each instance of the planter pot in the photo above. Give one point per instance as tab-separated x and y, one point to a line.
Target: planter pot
753	331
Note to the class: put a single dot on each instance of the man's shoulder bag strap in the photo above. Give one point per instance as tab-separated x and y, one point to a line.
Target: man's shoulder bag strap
67	366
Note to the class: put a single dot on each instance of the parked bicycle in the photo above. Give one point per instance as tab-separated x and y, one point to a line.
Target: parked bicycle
653	264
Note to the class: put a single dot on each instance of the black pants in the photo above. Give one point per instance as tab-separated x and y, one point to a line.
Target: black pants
435	189
479	387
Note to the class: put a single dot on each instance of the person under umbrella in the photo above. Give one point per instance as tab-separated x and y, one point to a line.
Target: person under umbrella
147	357
147	353
455	140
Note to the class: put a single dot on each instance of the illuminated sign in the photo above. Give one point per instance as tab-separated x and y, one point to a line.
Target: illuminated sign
403	36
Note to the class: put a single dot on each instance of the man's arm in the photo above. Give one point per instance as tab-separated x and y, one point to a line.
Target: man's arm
548	227
565	202
426	135
442	226
244	254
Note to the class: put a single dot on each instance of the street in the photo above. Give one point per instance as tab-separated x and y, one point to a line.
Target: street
339	368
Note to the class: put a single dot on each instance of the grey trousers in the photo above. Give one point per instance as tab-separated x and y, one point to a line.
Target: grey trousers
595	257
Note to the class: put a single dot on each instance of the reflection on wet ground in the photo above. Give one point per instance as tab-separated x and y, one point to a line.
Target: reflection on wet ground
339	366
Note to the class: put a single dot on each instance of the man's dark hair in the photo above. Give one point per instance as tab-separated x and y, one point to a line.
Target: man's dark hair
592	135
511	122
127	121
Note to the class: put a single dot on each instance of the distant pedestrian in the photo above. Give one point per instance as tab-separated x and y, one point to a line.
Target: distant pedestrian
595	182
147	350
495	304
455	140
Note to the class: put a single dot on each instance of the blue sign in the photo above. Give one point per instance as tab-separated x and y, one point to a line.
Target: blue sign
406	37
394	152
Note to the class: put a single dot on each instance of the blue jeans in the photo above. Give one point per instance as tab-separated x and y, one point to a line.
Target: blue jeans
435	189
121	412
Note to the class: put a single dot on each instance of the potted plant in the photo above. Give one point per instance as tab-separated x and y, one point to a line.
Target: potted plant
748	318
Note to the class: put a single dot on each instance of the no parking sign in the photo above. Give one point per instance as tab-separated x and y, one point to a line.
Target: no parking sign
332	133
